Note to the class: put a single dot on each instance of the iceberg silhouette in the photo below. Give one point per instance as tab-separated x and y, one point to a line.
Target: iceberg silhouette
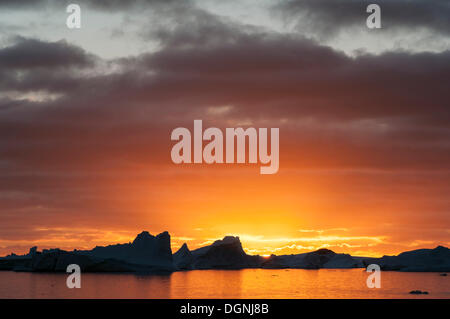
153	254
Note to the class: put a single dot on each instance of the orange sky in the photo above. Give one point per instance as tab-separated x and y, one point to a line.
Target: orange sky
294	211
86	118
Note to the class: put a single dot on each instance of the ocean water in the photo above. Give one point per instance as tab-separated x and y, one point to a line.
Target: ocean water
247	283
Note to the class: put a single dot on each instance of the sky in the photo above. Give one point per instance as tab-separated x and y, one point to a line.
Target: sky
86	117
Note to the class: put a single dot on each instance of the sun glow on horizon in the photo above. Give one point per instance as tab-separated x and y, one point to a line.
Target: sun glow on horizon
265	246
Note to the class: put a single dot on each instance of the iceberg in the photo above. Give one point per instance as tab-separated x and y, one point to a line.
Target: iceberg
153	254
226	253
423	260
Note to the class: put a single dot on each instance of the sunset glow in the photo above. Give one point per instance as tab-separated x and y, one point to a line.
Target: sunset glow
86	118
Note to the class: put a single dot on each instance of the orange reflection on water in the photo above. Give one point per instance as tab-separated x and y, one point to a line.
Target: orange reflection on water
247	283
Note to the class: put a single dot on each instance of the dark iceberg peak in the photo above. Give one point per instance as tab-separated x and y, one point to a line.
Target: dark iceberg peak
163	234
143	237
226	253
146	241
183	258
323	251
146	249
33	251
229	241
183	248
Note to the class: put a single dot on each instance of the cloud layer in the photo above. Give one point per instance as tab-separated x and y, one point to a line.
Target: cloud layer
327	16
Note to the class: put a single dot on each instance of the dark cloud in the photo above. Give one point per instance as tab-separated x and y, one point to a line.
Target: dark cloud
33	65
29	54
108	5
304	78
380	111
328	16
121	5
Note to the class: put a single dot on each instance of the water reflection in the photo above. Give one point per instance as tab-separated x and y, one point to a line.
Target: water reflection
247	283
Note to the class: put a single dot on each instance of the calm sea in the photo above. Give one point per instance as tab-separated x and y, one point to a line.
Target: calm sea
247	283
